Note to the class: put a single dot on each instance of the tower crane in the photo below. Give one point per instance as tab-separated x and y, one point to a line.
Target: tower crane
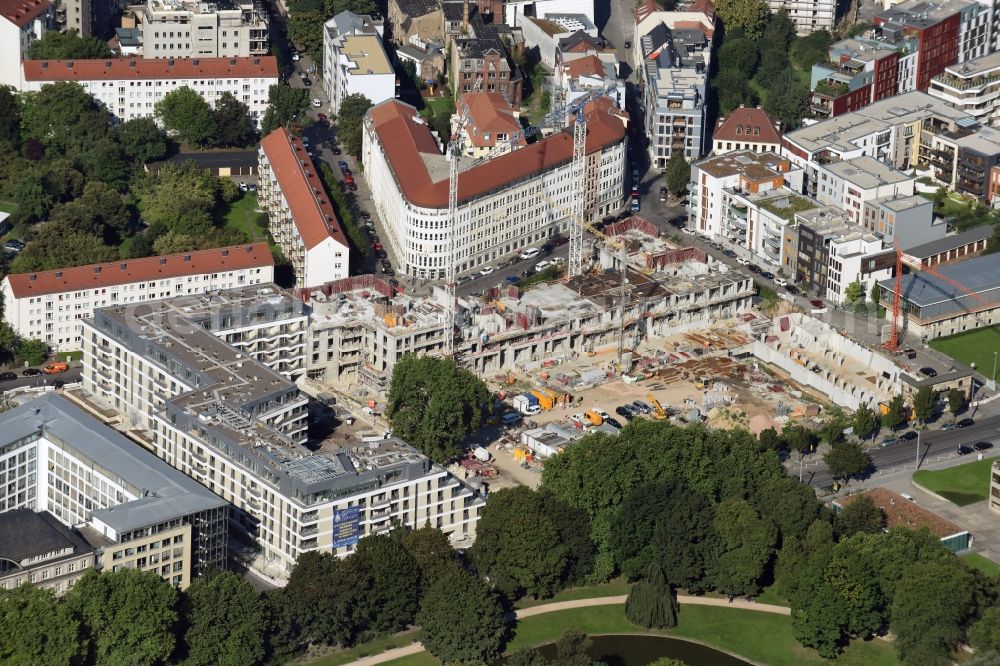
579	166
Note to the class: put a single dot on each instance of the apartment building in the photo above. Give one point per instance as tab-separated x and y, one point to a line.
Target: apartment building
675	64
848	184
743	171
354	61
943	33
137	511
189	29
960	154
300	216
907	218
504	205
36	549
859	72
808	15
762	221
583	76
420	19
491	124
50	305
238	428
21	23
130	87
973	87
747	129
478	50
544	36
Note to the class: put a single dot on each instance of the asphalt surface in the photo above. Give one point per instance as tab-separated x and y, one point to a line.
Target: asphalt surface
68	377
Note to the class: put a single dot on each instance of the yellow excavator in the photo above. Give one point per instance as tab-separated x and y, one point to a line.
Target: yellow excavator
658	412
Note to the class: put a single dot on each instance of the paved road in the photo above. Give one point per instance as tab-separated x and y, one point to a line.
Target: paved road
68	377
414	648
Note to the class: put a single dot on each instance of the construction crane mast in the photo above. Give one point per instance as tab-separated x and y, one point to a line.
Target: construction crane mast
575	267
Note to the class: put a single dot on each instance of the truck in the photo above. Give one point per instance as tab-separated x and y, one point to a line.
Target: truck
526	404
55	368
594	418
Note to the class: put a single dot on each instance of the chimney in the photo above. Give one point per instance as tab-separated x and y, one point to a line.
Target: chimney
465	16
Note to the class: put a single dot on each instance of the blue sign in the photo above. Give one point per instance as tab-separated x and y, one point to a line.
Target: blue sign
346	526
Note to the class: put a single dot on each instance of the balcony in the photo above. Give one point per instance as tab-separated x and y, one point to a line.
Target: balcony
255	491
309	517
308	531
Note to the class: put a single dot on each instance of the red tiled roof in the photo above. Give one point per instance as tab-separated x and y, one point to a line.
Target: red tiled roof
743	117
113	273
404	136
23	12
489	113
587	66
311	210
142	68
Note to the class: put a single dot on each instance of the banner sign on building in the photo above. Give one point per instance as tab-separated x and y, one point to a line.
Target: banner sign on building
346	526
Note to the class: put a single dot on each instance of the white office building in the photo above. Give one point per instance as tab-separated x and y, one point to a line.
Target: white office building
189	29
130	87
518	199
354	60
21	23
50	305
238	427
808	16
301	218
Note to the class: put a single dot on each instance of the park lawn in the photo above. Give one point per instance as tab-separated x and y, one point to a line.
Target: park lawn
241	216
614	588
366	649
977	561
7	207
961	485
972	347
438	104
762	637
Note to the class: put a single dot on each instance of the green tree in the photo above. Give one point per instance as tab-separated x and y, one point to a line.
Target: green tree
572	647
233	124
896	416
69	45
684	541
433	404
861	515
99	211
747	546
63	117
739	54
33	351
651	602
518	546
924	403
284	104
432	552
811	49
933	601
10	116
770	440
985	633
832	430
854	292
732	91
668	661
37	630
788	99
361	7
8	342
864	422
185	113
226	621
847	460
390	585
525	657
324	597
282	633
789	504
181	197
142	140
993	242
678	173
350	120
461	619
105	161
750	16
798	438
31	198
173	242
129	616
57	246
956	401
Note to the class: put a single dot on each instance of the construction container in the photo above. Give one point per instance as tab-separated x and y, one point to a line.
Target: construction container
594	418
545	401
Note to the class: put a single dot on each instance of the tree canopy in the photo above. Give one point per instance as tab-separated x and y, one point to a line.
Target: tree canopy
69	45
461	619
350	122
748	16
37	629
284	105
846	461
226	622
187	115
433	404
678	173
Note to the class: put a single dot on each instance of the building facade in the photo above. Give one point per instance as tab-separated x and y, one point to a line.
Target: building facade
860	71
747	129
188	29
479	52
354	61
50	305
300	216
36	549
514	200
137	511
130	87
21	23
808	15
238	428
972	86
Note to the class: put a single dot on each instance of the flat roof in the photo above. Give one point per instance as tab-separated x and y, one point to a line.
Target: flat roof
973	235
25	533
367	54
978	275
901	512
164	493
866	172
897	203
976	66
744	162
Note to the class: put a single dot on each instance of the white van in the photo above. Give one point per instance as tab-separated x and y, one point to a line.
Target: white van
781	282
542	265
530	253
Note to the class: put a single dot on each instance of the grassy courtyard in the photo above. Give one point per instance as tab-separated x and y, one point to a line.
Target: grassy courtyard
961	485
972	347
976	561
762	637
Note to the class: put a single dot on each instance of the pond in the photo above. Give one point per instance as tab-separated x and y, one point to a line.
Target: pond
641	650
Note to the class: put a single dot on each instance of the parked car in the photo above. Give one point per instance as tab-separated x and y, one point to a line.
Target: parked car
512	279
371	232
640	406
816	303
791	289
377	245
55	368
717	245
14	245
628	44
743	262
322	116
928	372
948	426
530	253
335	149
613	422
965	423
542	265
316	103
728	253
7	376
58	384
964	450
690	232
907	436
982	446
781	282
888	441
626	412
386	265
486	270
31	372
663	194
343	165
767	275
296	57
635	205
